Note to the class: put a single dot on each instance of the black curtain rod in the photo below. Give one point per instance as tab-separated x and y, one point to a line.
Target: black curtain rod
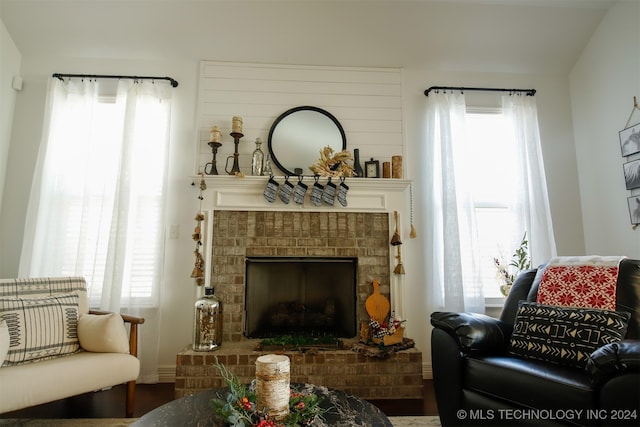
174	83
529	92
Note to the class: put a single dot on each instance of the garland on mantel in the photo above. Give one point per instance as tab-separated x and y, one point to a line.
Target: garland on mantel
198	269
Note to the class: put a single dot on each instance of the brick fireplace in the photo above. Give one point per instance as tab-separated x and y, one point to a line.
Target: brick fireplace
233	235
237	235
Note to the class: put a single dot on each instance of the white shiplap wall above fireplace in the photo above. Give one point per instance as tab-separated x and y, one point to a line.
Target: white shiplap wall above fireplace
366	101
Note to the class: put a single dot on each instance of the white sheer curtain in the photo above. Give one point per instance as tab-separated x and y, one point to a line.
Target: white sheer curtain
96	206
451	267
535	214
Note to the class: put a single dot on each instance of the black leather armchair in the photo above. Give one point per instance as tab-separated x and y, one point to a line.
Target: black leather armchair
477	381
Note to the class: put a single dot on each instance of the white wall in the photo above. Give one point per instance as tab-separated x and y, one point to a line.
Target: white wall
178	291
603	84
9	68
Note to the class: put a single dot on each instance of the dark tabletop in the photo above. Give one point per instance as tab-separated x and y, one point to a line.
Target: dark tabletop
342	409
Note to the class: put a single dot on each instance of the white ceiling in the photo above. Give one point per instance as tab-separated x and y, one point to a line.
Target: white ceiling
521	36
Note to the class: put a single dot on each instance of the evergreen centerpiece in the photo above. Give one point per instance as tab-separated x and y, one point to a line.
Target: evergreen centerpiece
520	261
239	407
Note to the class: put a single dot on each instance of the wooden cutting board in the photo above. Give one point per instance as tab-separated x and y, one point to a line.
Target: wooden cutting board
377	305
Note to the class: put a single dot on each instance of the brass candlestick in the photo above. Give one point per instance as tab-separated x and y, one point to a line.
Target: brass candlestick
213	170
236	166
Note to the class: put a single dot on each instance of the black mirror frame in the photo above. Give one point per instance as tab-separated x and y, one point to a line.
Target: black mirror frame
287	113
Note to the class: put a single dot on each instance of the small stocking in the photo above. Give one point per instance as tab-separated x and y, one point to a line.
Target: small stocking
271	190
285	191
299	192
316	193
329	193
342	192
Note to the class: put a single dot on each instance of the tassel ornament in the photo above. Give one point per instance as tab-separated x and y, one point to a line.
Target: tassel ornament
399	268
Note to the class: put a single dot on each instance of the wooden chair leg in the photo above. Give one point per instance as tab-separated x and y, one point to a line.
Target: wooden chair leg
131	398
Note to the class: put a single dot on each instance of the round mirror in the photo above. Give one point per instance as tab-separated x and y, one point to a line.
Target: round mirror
299	134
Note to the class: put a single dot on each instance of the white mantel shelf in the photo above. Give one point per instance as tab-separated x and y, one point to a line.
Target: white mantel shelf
246	193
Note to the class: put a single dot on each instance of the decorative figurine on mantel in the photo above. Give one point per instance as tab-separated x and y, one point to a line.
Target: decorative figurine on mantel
266	168
331	164
257	159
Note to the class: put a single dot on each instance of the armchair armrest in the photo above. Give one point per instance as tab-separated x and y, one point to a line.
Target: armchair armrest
133	321
476	334
613	359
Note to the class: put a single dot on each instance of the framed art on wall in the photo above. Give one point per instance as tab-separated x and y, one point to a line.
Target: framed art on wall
634	209
630	140
632	174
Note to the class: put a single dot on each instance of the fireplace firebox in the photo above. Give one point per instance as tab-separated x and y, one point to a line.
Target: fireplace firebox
300	296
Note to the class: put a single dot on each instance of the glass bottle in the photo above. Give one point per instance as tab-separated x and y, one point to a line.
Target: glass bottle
257	159
207	329
266	170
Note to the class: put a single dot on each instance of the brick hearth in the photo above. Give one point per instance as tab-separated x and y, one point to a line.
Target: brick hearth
397	377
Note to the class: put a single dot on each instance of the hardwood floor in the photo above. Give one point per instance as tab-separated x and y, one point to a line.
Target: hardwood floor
110	404
426	406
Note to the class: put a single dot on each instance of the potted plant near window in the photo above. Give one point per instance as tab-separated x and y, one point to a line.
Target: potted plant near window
520	261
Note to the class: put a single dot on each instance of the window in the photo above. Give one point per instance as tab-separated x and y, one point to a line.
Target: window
101	194
493	176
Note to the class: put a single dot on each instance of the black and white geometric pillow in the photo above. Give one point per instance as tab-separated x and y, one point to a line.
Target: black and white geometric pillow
564	335
40	327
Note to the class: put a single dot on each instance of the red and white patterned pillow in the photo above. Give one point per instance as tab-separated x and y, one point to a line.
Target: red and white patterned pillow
588	282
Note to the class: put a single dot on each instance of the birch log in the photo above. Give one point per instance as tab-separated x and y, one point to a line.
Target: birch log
272	385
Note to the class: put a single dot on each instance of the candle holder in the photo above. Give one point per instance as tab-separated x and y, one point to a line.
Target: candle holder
236	166
213	170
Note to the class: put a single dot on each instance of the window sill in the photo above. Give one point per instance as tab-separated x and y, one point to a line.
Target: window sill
494	302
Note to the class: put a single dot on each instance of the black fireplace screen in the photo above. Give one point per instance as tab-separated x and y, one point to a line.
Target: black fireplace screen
309	295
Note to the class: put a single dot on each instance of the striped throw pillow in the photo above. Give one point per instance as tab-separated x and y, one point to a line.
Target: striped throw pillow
40	327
